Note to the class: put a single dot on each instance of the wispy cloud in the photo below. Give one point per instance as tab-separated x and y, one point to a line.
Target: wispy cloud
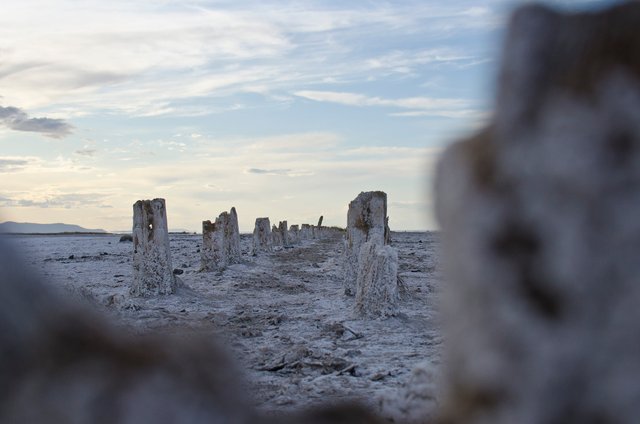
64	201
409	205
289	182
268	171
11	165
87	151
18	120
280	172
178	51
410	61
421	106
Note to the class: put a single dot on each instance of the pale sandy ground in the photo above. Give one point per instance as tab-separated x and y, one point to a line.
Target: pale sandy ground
283	315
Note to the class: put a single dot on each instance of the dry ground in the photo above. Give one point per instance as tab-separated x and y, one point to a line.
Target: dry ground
283	315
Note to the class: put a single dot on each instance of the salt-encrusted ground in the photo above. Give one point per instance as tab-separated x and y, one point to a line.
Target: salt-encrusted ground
282	315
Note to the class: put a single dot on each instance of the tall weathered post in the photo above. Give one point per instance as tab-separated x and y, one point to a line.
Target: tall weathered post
276	236
262	238
294	234
370	266
284	231
220	242
306	232
152	270
377	281
319	230
365	222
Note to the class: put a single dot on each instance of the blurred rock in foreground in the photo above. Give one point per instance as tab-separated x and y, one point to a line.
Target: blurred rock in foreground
541	231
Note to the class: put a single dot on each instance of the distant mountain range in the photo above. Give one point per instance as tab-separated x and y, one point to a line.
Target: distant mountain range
29	228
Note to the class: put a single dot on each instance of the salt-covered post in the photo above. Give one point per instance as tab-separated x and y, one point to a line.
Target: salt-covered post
220	242
262	238
318	230
235	254
152	269
305	232
276	236
365	222
210	246
541	236
294	234
284	233
377	280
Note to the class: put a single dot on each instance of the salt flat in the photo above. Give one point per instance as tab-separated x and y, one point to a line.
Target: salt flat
282	315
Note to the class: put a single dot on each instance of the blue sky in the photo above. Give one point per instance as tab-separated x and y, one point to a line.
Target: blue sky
281	109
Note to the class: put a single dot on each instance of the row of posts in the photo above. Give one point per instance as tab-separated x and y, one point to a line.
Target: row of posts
370	265
152	268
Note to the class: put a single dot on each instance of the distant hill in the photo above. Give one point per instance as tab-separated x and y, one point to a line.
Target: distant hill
29	228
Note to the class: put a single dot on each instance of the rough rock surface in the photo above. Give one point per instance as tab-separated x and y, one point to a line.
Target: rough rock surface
541	232
262	240
152	270
366	220
220	242
377	281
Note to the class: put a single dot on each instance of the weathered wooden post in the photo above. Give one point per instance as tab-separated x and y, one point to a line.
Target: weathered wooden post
152	270
220	242
262	238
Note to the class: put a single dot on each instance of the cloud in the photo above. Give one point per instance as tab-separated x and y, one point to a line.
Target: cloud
9	165
408	204
63	201
281	172
420	106
41	167
18	120
86	152
268	171
408	61
246	173
214	49
311	141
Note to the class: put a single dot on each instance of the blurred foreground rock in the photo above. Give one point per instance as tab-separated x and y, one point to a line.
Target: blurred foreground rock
539	214
61	363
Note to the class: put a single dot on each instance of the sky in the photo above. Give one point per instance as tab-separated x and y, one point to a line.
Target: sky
284	109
